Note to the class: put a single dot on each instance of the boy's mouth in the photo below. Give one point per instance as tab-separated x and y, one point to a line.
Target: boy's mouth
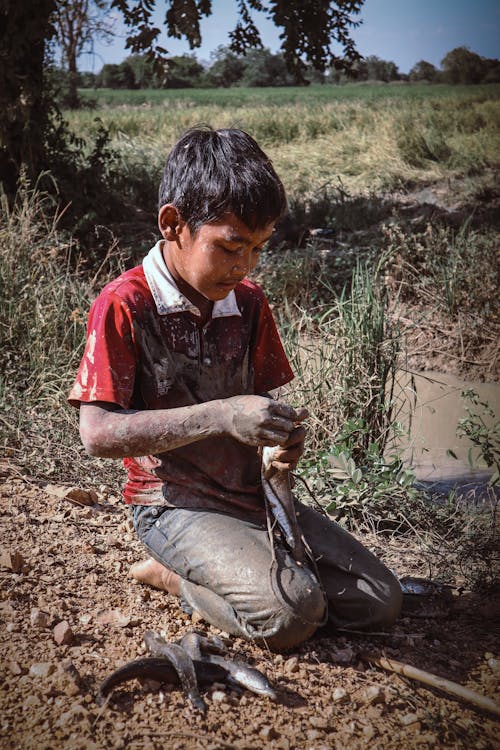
230	284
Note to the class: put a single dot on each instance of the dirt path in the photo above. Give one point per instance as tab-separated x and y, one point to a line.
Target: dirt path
62	563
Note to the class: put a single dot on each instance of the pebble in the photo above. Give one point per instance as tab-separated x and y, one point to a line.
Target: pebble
373	694
339	694
39	618
15	668
291	665
368	732
318	722
313	734
343	656
62	633
268	733
408	719
41	669
218	696
75	713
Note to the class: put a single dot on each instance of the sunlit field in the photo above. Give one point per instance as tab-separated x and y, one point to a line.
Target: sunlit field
371	137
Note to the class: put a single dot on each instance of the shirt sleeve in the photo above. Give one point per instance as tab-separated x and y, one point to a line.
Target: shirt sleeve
108	366
271	366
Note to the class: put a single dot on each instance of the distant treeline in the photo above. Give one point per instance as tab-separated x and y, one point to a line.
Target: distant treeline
260	67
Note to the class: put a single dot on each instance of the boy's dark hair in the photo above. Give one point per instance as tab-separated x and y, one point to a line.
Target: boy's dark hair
211	172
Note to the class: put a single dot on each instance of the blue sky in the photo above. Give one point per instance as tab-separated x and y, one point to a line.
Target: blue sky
404	31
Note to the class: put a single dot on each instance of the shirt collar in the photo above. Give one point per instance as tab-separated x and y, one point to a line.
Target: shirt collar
167	296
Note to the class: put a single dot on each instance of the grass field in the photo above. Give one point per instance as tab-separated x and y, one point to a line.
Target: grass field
370	138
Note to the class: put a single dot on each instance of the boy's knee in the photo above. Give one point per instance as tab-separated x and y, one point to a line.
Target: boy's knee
299	608
388	603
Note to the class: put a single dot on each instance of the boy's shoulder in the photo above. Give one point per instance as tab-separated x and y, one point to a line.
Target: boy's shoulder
128	286
249	290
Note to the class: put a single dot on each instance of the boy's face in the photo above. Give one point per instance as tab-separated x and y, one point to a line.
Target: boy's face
215	259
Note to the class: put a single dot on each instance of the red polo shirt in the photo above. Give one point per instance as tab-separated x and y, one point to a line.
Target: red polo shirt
146	349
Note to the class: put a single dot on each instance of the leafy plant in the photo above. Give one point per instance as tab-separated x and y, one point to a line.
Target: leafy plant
482	431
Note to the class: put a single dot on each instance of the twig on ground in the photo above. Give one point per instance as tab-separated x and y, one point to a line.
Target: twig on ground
441	683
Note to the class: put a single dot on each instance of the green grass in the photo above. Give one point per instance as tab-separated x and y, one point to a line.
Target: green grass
279	96
371	137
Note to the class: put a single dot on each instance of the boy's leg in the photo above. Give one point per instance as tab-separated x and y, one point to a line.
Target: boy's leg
361	591
229	576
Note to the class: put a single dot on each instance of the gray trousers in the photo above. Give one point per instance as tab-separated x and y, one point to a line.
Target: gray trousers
241	583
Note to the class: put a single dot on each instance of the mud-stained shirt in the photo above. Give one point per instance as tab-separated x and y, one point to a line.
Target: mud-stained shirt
146	349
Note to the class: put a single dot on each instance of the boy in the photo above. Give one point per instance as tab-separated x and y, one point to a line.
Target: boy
182	354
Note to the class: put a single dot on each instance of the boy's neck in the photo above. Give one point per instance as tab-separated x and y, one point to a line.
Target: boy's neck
204	305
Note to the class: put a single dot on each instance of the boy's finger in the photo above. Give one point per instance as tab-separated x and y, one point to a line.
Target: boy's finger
296	436
301	414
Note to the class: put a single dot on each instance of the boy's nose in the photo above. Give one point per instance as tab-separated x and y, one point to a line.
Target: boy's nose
243	263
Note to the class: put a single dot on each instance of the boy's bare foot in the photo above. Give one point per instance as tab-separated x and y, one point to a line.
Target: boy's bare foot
155	574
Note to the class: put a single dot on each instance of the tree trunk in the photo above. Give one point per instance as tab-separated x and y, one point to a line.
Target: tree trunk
24	31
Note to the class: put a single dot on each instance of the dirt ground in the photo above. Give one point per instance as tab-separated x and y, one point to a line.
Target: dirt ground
69	616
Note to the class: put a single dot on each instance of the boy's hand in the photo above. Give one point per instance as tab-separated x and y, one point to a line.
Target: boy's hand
287	457
258	421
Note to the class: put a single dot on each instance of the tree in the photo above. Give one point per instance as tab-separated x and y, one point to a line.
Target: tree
463	66
77	23
423	71
310	28
27	30
380	70
262	68
226	69
182	71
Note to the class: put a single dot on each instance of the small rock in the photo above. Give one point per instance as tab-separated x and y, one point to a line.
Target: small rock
343	656
339	695
15	668
85	619
75	713
268	733
112	617
408	719
318	722
13	560
62	633
39	618
219	696
373	694
292	665
31	702
313	734
41	669
368	732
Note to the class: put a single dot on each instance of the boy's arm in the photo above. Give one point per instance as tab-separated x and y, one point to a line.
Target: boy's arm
108	430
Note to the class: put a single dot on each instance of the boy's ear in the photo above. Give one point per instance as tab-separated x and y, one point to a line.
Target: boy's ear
170	222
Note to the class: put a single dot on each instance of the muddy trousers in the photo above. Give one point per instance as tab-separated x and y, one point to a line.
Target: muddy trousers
241	583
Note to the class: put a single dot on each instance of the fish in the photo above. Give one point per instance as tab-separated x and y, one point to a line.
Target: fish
279	497
210	650
161	670
242	675
181	662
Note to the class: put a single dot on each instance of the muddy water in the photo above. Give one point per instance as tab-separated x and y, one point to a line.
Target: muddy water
435	408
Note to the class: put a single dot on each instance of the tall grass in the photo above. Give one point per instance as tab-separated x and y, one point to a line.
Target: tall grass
46	293
372	137
345	355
